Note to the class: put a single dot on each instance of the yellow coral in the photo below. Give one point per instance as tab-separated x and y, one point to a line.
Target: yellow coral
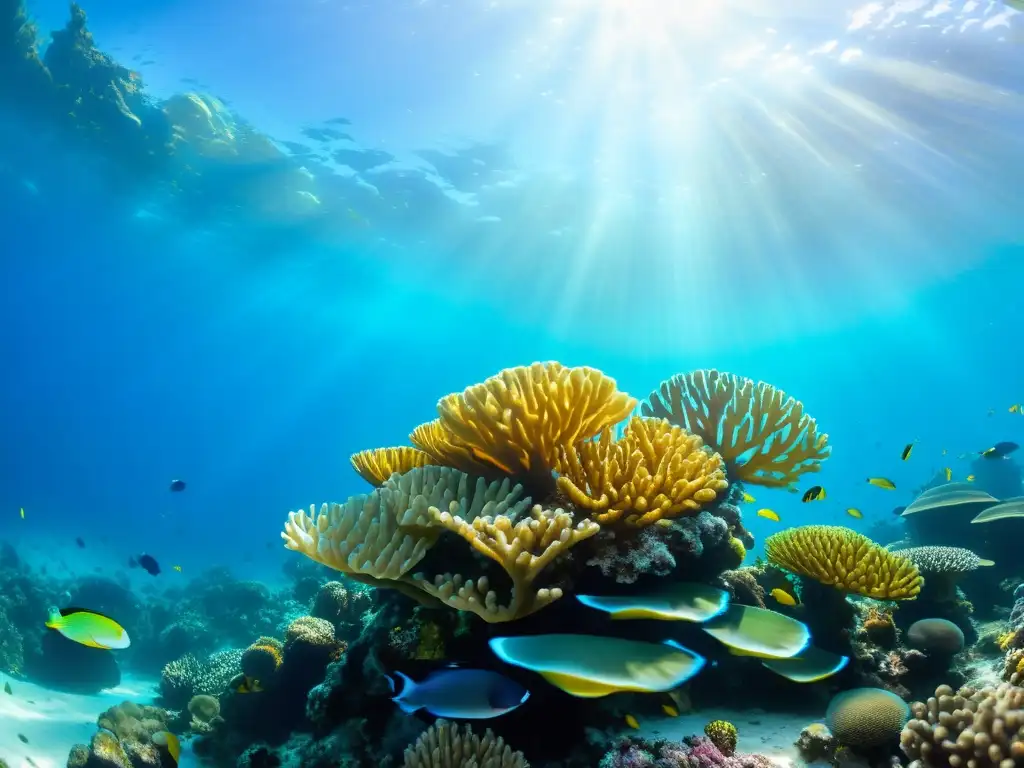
763	434
519	419
523	549
437	441
723	735
378	464
842	558
654	471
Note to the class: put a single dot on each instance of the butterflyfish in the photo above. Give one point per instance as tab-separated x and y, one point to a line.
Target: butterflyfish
750	631
882	482
907	450
814	493
768	514
88	628
680	602
458	694
1015	408
249	685
854	513
170	742
810	666
949	474
590	666
632	722
748	499
1000	450
783	597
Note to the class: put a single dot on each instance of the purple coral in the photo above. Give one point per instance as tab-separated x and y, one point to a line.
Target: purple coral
696	752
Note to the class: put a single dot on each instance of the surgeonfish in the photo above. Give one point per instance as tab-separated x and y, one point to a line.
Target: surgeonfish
680	602
907	450
783	597
810	666
1000	450
590	666
814	493
170	742
148	563
768	514
459	694
750	631
854	513
882	482
88	628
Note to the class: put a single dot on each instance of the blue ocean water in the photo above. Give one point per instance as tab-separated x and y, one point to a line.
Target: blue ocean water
823	199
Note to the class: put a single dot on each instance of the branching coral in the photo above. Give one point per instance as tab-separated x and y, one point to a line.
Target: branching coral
378	464
519	419
523	549
655	471
188	676
446	745
974	728
764	435
844	559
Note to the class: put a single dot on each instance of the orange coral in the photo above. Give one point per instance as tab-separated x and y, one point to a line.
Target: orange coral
378	464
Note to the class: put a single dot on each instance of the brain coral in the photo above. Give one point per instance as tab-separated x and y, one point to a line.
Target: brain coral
866	717
970	729
844	559
937	636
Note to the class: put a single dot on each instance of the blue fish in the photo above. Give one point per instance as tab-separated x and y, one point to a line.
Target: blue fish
459	694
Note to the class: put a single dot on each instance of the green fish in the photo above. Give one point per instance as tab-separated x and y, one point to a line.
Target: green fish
88	628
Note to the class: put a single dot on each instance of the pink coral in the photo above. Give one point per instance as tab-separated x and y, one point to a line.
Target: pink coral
696	752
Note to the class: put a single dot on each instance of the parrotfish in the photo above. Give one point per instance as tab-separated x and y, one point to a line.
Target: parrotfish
459	694
750	631
590	666
681	602
88	628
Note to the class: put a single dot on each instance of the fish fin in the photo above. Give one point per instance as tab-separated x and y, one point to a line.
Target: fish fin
400	691
70	610
407	707
579	686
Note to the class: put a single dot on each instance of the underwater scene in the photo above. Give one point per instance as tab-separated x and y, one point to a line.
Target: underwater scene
551	383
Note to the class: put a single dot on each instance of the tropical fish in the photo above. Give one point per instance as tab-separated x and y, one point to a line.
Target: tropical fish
22	513
1016	408
945	451
907	450
854	512
176	568
783	597
177	486
461	694
169	741
748	499
792	489
249	685
814	493
23	738
809	666
669	710
970	478
7	689
1000	450
949	474
750	631
768	514
882	482
678	602
88	628
590	666
147	563
632	722
79	542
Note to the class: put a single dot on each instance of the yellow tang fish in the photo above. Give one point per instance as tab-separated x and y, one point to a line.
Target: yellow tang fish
768	514
906	451
670	710
748	499
882	482
783	597
949	474
970	478
814	493
632	722
92	629
854	512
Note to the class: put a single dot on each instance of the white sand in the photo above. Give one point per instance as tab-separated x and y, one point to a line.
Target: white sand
768	733
53	721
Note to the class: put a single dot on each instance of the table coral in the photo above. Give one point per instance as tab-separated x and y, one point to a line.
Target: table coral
762	433
654	471
376	465
844	559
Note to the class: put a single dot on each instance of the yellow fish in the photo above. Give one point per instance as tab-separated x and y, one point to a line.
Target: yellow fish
814	493
670	710
170	741
249	685
854	512
1016	408
768	514
748	499
92	629
176	568
882	482
783	597
907	451
22	513
632	722
970	478
949	474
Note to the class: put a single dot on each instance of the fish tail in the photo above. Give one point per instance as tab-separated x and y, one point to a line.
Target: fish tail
399	690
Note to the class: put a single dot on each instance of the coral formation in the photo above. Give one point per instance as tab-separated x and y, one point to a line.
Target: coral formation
694	752
723	735
763	434
878	628
844	559
205	713
866	717
125	739
816	743
189	676
936	636
943	567
376	465
446	745
261	660
654	471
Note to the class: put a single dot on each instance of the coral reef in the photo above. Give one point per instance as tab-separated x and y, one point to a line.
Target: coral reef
942	568
125	739
723	735
376	465
816	743
190	676
695	752
866	717
445	744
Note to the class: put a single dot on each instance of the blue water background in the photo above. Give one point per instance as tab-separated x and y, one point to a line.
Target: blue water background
134	353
